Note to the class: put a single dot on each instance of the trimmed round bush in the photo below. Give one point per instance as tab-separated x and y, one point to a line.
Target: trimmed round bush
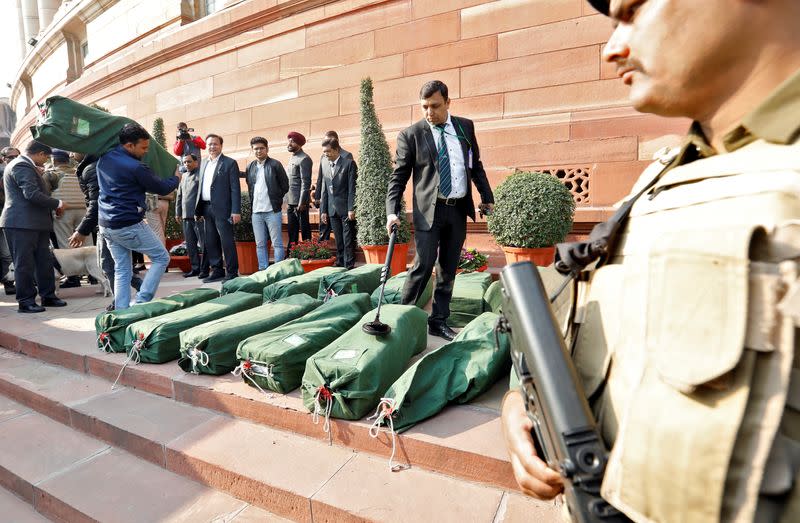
532	210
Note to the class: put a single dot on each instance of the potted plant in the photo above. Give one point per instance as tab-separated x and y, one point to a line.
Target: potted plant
245	239
372	185
312	254
472	260
179	257
533	211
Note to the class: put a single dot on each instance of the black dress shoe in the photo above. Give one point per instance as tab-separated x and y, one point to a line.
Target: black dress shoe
213	278
70	283
9	287
136	283
190	274
227	278
202	275
53	302
441	330
31	308
110	307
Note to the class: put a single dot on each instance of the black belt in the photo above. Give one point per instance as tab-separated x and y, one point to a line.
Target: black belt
449	201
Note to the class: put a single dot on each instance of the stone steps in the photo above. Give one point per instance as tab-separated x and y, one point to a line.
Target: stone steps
115	447
50	471
463	441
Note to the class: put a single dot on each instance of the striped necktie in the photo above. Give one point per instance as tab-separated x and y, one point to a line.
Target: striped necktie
445	184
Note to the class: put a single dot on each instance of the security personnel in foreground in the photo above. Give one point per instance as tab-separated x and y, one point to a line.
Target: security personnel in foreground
684	335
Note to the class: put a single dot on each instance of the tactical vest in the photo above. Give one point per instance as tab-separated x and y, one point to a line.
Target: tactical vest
685	343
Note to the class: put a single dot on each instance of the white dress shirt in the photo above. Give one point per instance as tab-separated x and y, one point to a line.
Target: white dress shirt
208	178
458	171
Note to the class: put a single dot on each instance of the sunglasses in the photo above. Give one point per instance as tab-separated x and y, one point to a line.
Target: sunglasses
11	156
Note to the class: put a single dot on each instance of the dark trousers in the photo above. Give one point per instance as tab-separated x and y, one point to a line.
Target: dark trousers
219	242
345	232
5	258
297	224
324	230
194	234
33	262
446	237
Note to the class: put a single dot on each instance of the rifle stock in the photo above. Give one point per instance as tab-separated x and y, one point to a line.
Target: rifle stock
564	429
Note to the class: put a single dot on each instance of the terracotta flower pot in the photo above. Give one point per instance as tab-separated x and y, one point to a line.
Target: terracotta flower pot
377	254
482	268
541	257
248	260
310	265
180	262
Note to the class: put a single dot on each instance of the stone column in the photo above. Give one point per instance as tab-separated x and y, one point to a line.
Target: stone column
29	10
47	8
23	45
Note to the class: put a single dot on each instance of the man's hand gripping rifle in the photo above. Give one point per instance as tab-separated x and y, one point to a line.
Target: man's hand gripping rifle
564	429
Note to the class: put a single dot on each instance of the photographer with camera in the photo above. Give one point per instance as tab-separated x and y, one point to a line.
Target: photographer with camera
187	143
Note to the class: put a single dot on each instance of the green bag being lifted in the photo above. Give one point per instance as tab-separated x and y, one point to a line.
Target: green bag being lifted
156	340
361	279
276	359
72	126
210	348
457	372
346	378
467	301
307	283
394	291
256	282
111	325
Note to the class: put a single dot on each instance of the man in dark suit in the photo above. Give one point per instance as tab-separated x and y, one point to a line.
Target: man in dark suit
441	151
267	184
28	221
219	203
6	156
193	230
338	176
316	189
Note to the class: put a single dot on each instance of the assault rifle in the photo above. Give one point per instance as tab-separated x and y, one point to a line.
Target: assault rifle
564	430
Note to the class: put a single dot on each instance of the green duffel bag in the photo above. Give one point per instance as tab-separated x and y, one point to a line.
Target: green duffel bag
256	282
493	297
394	291
72	126
276	359
111	325
210	348
361	279
454	373
467	301
157	340
346	378
307	283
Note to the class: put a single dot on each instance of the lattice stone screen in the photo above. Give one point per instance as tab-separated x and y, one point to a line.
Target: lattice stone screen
577	181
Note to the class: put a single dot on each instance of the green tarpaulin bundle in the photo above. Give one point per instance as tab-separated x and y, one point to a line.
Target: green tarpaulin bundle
110	326
394	291
276	359
346	378
361	279
454	373
156	340
210	348
72	126
467	301
307	283
493	297
256	282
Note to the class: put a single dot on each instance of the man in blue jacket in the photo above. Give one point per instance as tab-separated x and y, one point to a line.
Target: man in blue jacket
123	181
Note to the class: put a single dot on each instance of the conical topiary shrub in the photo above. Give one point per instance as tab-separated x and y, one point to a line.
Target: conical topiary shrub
374	171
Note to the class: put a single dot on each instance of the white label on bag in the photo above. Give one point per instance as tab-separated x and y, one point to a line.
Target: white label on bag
345	354
295	340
